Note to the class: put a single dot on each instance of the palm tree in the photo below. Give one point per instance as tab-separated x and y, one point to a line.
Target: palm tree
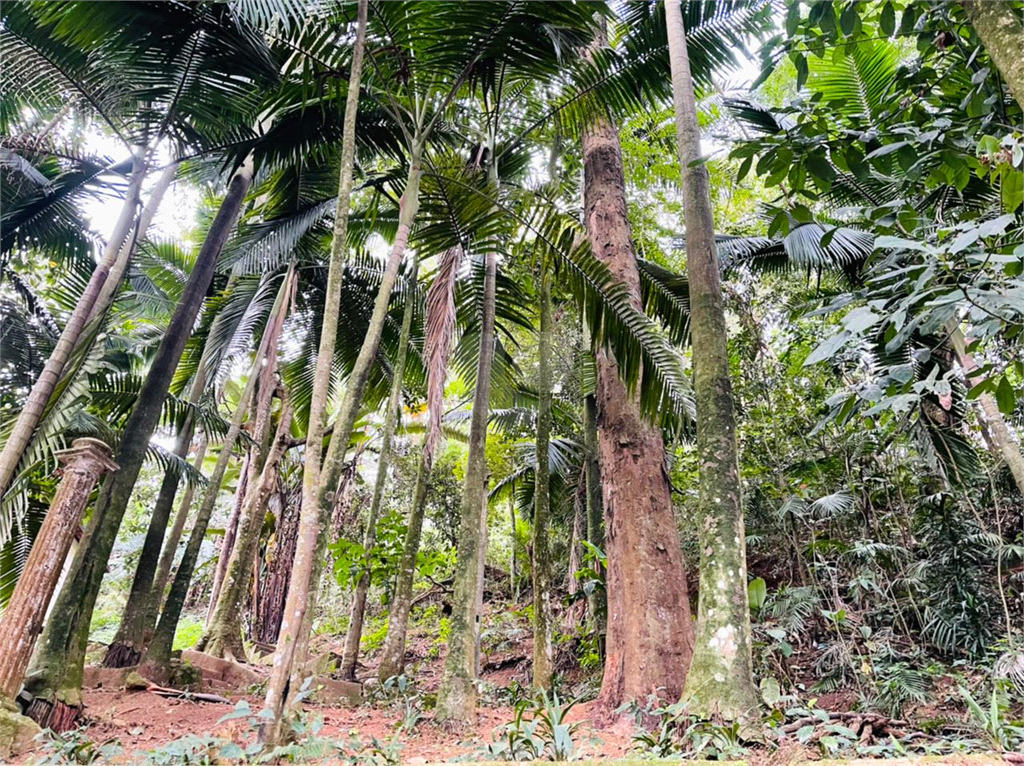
721	678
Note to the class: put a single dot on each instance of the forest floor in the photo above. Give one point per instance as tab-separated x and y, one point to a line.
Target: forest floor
138	726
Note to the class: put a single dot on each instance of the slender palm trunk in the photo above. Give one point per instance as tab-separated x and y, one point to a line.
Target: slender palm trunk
224	636
158	654
392	660
1000	29
312	545
456	699
57	676
227	542
277	690
721	679
596	603
120	265
543	651
513	575
391	417
170	549
32	411
223	629
650	632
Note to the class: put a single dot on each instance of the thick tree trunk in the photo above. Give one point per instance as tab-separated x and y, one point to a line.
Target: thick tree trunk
224	636
32	411
277	689
274	584
353	635
57	675
158	653
650	632
392	660
22	619
456	698
1002	33
543	651
721	679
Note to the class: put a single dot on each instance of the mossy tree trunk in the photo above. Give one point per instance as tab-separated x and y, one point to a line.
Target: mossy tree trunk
392	659
456	699
650	632
353	635
32	411
309	518
23	616
1001	31
224	636
596	603
721	679
543	651
57	674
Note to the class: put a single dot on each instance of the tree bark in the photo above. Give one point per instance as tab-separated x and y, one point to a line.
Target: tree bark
22	620
1005	448
597	605
456	698
353	635
224	636
274	584
170	550
35	405
721	679
57	675
392	660
1002	33
650	632
543	651
298	591
266	385
158	654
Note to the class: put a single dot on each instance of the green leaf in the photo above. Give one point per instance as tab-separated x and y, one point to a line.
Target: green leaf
887	20
848	20
827	348
1006	397
757	592
820	168
800	61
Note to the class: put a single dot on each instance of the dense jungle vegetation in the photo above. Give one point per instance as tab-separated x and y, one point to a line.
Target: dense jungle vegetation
399	381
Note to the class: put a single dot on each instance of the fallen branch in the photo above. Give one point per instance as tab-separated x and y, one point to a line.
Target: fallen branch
1013	757
165	691
874	720
507	662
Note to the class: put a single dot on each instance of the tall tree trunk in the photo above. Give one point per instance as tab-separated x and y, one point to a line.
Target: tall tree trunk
721	679
170	549
1002	442
392	660
1000	29
274	584
650	633
543	651
143	603
224	636
456	698
35	405
21	621
124	258
57	675
353	635
277	689
157	657
266	385
513	576
597	605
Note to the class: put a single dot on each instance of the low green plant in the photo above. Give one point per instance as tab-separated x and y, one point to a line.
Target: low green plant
994	724
75	747
546	735
680	733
